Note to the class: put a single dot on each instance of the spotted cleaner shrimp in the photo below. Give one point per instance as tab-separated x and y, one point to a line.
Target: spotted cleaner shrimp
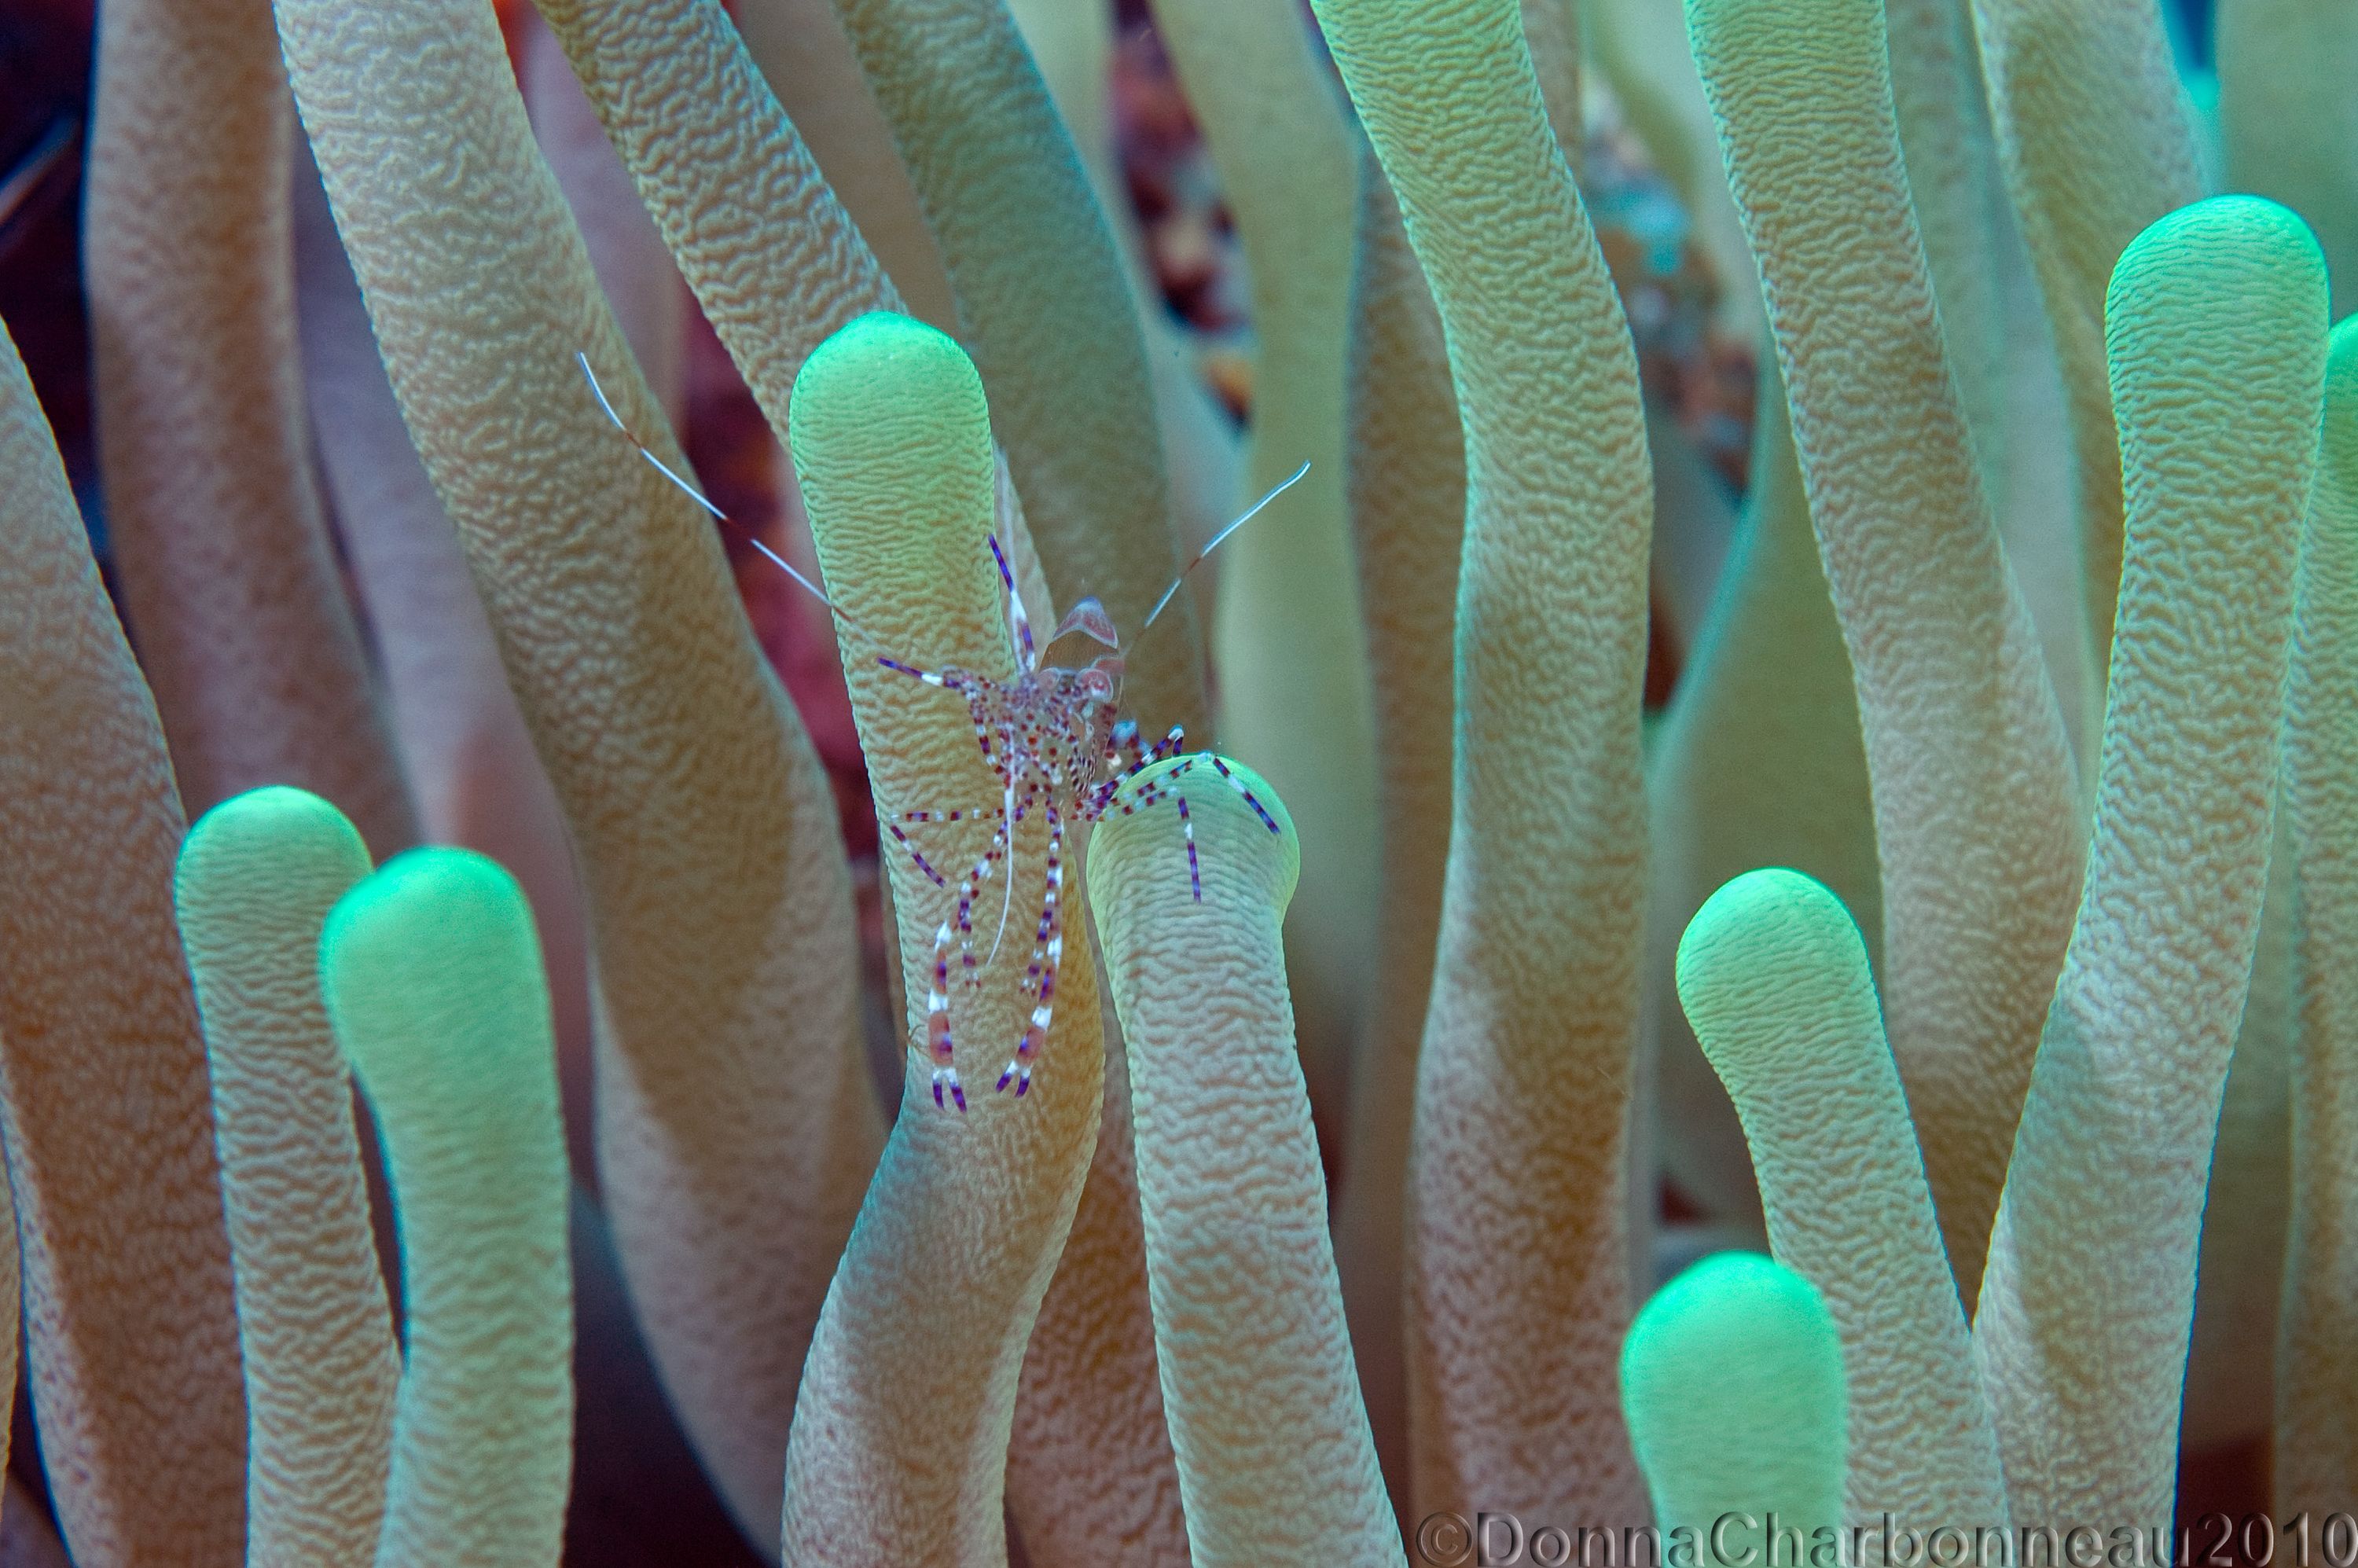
1052	737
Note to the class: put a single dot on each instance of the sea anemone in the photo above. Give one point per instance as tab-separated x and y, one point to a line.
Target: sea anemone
1082	1076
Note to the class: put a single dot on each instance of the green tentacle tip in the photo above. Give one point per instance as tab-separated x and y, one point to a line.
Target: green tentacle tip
1231	823
2213	253
431	971
882	366
432	977
891	438
277	820
1769	928
1731	1384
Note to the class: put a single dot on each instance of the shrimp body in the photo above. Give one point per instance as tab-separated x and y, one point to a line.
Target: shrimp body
1053	738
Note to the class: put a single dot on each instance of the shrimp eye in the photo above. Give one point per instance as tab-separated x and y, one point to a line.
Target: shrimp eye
1099	678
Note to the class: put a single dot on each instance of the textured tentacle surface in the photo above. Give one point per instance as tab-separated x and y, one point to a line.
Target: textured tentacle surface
1089	1469
1974	805
1040	294
1089	1466
1518	1271
634	270
2093	142
1276	1461
430	975
1758	762
1090	1463
2216	329
1953	176
900	1436
1075	49
2317	1343
1295	700
1773	974
257	877
227	574
464	745
775	260
735	1120
1408	516
2246	1202
801	50
130	1321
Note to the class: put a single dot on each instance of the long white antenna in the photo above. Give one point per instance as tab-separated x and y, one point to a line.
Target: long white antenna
1007	891
1250	514
696	495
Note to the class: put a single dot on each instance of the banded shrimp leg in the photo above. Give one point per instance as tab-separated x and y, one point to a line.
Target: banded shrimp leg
1047	954
899	826
958	930
1162	789
1122	746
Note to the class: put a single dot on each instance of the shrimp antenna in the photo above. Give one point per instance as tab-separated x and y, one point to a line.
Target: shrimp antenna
1007	882
1280	488
697	495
